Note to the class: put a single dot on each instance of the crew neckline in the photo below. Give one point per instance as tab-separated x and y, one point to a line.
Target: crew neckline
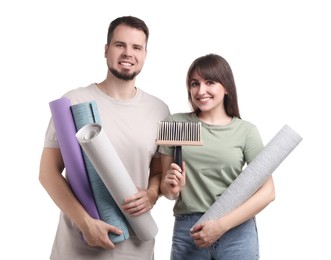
233	120
131	100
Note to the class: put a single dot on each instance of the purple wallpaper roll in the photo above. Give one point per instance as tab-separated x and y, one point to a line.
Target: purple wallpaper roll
72	154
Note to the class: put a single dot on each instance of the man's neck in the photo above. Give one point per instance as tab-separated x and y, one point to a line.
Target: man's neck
118	89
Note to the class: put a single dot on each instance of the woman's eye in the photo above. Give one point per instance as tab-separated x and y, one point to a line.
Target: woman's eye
194	84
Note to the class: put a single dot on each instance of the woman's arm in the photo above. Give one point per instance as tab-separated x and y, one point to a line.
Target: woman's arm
207	233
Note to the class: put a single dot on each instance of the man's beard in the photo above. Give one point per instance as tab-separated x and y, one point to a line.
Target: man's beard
123	76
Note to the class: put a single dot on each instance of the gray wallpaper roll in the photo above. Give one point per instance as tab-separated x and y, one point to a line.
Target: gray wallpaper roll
111	170
83	114
255	174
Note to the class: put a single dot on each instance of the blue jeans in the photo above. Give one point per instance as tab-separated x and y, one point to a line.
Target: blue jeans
239	243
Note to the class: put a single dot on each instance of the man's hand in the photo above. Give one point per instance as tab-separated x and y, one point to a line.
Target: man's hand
139	203
95	233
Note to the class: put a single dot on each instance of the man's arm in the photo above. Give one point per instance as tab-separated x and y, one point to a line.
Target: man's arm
144	200
95	232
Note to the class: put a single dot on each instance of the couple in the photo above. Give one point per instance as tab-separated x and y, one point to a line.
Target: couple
195	185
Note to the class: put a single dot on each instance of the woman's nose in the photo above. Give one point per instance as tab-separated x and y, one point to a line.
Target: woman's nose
202	89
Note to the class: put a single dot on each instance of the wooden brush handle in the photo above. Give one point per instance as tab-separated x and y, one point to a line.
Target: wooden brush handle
178	156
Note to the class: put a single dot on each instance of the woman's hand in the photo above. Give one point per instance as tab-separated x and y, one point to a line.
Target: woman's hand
175	179
207	233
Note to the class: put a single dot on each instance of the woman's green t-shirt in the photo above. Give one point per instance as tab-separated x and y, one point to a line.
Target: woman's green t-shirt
212	167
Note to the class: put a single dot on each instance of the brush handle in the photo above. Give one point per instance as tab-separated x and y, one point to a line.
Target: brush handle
178	156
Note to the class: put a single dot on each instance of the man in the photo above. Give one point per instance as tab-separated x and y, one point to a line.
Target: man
129	117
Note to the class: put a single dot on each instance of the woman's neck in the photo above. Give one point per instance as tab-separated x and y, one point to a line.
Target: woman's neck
211	118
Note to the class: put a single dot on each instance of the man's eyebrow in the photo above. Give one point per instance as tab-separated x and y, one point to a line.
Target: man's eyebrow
138	45
116	42
124	43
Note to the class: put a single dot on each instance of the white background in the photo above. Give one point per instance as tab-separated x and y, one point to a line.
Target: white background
280	55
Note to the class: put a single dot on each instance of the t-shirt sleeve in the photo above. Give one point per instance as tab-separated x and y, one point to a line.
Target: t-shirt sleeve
166	149
50	136
254	144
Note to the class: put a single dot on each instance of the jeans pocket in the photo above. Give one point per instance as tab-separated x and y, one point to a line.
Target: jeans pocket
181	217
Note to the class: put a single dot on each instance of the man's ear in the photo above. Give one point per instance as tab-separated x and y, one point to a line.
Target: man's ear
106	49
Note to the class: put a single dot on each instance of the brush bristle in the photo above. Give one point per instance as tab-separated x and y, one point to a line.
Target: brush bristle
179	133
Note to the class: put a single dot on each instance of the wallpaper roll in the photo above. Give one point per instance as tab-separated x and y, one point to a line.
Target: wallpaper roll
255	174
111	170
72	154
83	114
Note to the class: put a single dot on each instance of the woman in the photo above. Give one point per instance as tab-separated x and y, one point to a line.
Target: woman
228	144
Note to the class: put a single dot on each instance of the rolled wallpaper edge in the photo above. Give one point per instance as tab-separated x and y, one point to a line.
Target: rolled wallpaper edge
114	175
